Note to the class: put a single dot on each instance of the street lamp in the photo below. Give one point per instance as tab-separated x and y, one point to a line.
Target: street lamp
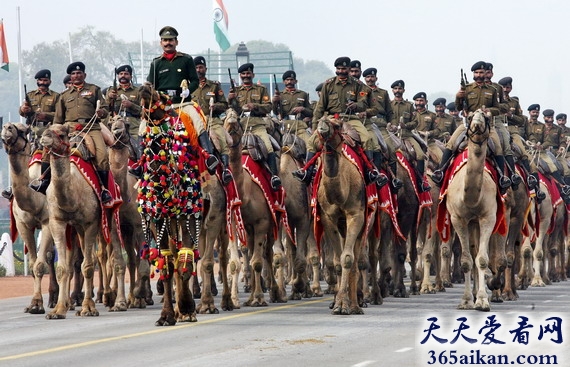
242	54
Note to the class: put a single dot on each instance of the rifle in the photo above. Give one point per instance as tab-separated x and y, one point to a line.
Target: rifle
232	83
29	119
279	104
463	87
112	101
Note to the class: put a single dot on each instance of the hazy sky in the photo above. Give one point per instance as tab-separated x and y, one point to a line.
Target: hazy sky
422	42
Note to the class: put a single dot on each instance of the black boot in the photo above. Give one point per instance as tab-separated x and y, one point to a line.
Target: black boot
533	183
41	184
516	179
377	160
305	176
424	186
272	163
504	181
532	178
397	184
7	193
206	144
226	173
372	175
439	173
106	197
564	189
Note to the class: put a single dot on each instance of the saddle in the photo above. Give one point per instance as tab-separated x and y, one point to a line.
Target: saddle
350	135
82	145
295	146
254	147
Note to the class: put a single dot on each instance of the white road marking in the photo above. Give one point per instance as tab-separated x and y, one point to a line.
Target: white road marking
404	350
547	301
363	364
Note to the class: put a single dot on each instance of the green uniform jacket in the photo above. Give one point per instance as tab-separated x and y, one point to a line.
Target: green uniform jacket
445	124
423	121
381	102
44	102
516	121
402	109
133	113
210	89
549	137
166	76
479	96
291	99
79	105
256	94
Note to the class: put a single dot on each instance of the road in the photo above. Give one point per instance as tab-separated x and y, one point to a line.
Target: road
298	333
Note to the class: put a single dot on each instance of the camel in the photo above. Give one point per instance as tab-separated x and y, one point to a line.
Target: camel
140	293
341	206
258	222
30	212
473	212
72	201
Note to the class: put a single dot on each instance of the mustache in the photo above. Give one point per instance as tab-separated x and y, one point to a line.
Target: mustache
123	80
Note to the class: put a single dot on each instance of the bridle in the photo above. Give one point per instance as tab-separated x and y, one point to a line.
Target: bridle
475	131
11	148
59	153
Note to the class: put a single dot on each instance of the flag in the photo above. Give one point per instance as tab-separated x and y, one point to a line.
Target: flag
4	63
221	24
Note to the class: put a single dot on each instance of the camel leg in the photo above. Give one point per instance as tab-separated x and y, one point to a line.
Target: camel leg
428	257
537	263
234	270
87	242
38	266
446	255
57	229
255	246
119	269
206	248
466	265
482	264
279	260
375	296
315	261
223	253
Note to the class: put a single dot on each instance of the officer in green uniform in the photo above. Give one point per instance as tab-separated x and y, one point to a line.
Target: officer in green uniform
253	103
77	108
167	73
564	153
444	122
293	106
39	111
476	95
345	96
210	96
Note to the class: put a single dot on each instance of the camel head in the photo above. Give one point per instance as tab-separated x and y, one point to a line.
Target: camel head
15	137
120	129
479	126
56	139
157	105
231	122
330	129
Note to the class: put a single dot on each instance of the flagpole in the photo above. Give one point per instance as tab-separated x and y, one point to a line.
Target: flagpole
20	64
142	58
69	47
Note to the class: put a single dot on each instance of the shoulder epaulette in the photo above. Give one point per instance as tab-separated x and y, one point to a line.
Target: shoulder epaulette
330	80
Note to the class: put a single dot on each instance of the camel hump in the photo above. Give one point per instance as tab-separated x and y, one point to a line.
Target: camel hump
350	135
82	145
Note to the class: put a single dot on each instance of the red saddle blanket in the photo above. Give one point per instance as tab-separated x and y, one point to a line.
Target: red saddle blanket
555	198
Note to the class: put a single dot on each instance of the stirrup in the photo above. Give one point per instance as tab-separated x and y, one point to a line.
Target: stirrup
540	195
531	182
373	176
211	163
226	176
302	175
425	187
137	172
565	190
516	179
382	180
106	198
39	186
275	182
437	176
397	184
504	182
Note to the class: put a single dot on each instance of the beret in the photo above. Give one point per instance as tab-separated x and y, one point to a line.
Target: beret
355	64
534	107
66	79
548	113
289	74
439	101
319	87
168	32
488	66
199	60
479	65
78	65
398	83
246	67
124	68
561	116
420	95
369	71
506	81
451	106
45	73
342	61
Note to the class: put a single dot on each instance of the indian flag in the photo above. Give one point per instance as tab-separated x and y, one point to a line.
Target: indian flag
221	24
5	64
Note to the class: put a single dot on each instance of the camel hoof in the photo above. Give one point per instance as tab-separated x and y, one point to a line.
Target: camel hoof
465	306
356	311
122	306
165	322
34	310
54	316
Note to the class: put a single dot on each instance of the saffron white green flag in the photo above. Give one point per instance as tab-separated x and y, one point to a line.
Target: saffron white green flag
221	24
4	63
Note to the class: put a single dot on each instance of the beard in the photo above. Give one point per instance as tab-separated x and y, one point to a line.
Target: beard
341	75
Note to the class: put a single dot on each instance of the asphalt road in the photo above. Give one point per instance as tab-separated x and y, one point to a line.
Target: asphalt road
298	333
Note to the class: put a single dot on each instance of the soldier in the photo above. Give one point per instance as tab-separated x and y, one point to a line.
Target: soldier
474	96
444	122
454	112
67	82
563	153
293	105
39	111
167	73
253	101
77	108
212	100
347	97
546	138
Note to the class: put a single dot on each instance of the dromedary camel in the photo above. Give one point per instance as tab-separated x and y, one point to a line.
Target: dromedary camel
341	206
30	212
472	207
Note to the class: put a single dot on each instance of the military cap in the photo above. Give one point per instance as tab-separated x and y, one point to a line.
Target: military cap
355	64
319	87
479	65
66	79
440	101
534	107
342	61
451	106
488	66
199	60
420	95
548	113
246	67
506	81
561	116
369	71
45	73
127	68
168	32
78	65
289	74
398	83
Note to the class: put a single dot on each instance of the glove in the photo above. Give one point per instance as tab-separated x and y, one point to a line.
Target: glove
185	93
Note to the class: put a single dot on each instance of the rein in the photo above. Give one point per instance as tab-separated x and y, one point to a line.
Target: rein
66	152
10	149
475	132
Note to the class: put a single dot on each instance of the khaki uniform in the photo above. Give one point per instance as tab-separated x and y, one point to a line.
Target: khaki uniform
423	121
77	106
133	113
255	122
335	95
378	114
446	125
516	124
549	137
44	103
563	158
208	89
296	124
